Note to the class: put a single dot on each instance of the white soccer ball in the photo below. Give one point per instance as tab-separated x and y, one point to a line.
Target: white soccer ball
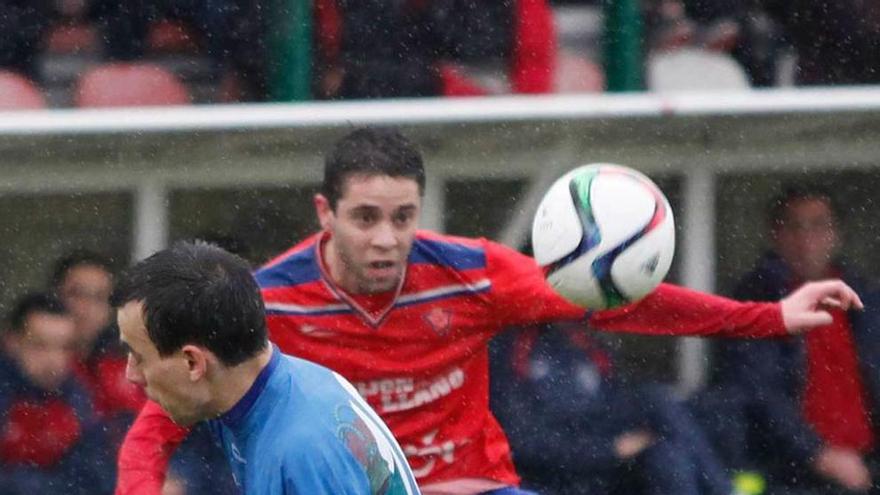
605	235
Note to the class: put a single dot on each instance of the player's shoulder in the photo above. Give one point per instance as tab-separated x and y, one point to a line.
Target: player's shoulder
295	266
308	375
302	367
461	253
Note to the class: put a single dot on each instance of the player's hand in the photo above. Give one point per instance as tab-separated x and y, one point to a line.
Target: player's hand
806	308
845	467
632	443
174	486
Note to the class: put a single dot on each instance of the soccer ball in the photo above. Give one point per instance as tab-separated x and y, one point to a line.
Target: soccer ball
604	235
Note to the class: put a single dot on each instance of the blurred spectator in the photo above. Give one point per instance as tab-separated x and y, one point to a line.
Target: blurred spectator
576	429
805	402
383	48
229	31
22	24
667	24
83	281
50	439
837	42
745	30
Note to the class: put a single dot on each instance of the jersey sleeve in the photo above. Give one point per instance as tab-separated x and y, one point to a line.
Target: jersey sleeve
674	310
522	296
146	450
520	292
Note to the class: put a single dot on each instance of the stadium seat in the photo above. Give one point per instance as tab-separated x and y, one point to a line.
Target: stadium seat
130	84
688	69
18	92
71	38
171	36
577	74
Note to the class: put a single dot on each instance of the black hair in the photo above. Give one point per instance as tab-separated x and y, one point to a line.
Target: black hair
34	302
197	293
75	259
778	208
371	151
234	244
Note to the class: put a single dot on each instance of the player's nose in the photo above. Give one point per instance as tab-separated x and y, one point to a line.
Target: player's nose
133	375
384	236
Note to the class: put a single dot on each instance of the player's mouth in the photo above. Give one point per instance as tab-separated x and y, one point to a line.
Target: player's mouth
382	269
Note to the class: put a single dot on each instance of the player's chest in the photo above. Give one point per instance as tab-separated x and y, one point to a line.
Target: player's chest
403	322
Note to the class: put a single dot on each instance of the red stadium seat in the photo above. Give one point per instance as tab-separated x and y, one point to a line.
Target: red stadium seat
170	36
71	38
130	84
577	74
18	92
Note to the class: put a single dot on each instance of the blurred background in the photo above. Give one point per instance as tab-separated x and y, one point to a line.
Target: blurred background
127	125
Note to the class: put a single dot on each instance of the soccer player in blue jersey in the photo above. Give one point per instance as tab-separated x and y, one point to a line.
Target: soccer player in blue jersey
193	321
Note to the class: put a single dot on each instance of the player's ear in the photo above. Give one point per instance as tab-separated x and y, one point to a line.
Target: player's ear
324	211
196	361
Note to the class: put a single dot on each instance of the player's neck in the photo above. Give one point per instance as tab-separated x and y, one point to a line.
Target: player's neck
236	381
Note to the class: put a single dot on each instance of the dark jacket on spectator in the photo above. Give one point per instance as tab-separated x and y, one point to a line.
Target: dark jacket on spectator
554	392
771	374
22	24
837	42
50	442
406	48
116	400
544	391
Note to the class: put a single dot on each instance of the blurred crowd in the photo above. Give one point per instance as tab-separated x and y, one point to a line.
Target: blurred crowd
793	416
136	52
789	416
65	403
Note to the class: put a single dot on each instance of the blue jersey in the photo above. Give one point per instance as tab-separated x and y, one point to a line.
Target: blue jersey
303	429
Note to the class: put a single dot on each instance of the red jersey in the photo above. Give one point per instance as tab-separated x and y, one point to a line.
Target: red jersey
835	400
419	356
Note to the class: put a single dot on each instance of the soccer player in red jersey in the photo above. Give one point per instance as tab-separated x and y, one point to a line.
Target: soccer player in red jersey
406	316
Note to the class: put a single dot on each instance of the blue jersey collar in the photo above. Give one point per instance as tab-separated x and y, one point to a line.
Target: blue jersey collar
234	417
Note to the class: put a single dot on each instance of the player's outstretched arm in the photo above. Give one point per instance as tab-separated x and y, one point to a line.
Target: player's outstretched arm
807	307
674	310
146	450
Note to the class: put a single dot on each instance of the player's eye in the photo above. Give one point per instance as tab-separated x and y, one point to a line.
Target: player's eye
403	218
364	217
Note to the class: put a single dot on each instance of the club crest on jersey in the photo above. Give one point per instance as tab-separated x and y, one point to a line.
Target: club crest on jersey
440	320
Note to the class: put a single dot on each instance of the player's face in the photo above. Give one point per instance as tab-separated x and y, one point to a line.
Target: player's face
372	231
807	238
166	380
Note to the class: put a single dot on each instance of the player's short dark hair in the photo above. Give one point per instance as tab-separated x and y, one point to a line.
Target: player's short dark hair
197	293
75	259
778	208
371	151
33	302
